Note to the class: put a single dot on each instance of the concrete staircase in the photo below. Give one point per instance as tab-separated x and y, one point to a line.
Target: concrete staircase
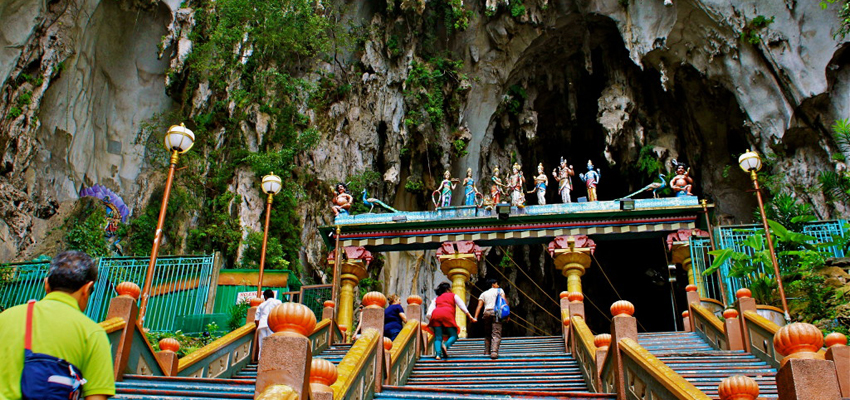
705	367
528	367
240	386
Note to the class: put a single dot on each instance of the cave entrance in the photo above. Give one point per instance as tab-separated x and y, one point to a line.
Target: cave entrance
636	267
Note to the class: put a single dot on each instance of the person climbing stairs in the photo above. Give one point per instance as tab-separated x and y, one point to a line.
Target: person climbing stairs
240	386
527	367
704	366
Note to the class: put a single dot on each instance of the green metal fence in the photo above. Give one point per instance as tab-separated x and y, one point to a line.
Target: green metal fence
314	296
20	282
732	237
707	285
180	286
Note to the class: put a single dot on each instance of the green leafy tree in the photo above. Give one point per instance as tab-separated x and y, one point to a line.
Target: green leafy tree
87	233
836	185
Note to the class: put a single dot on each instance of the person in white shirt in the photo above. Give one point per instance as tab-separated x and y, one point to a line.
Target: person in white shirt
492	324
261	317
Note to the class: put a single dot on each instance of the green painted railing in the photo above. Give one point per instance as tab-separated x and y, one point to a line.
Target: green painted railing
180	286
142	359
221	358
320	338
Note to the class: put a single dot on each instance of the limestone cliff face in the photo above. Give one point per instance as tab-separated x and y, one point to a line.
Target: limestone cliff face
591	79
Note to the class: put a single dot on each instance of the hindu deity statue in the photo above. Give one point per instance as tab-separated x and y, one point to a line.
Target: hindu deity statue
562	174
341	199
540	183
469	189
113	217
516	182
446	186
591	179
682	182
496	188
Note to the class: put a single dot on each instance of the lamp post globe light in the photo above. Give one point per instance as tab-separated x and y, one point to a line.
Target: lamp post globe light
178	140
271	186
750	162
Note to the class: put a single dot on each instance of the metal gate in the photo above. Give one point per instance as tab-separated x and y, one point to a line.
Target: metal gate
180	286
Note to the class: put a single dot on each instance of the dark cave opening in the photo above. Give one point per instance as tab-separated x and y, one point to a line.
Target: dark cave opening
635	265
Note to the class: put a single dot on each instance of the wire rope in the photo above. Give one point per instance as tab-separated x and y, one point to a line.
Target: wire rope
606	277
531	325
529	278
520	290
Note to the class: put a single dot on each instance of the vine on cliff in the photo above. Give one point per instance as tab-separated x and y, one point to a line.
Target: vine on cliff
250	57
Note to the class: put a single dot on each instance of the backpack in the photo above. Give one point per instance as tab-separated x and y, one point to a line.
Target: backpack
501	309
44	376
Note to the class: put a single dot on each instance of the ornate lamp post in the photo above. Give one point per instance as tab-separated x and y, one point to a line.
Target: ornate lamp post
178	140
271	186
751	162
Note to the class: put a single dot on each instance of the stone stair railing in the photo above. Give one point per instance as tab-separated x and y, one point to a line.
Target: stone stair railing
407	346
744	329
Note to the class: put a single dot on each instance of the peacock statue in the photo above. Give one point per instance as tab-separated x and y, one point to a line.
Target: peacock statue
655	186
371	202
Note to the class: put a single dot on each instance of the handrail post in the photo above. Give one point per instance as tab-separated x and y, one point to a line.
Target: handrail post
414	312
804	374
372	317
732	328
287	354
839	353
124	306
745	303
623	326
167	356
575	308
565	316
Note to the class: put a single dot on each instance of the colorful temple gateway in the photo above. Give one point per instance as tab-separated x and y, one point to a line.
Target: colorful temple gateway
724	348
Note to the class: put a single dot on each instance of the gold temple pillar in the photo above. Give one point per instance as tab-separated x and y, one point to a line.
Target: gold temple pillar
572	258
459	261
679	245
353	268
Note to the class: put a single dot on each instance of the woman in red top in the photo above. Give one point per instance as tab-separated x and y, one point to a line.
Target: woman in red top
441	315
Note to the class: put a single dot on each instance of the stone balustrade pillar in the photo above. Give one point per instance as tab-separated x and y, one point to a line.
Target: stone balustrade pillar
575	308
565	317
745	303
328	310
459	261
167	356
323	374
738	387
623	325
839	353
804	374
372	317
254	303
414	313
572	256
388	346
732	327
287	354
124	306
692	298
602	342
353	268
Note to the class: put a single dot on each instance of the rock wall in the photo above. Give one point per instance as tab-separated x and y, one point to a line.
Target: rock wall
599	80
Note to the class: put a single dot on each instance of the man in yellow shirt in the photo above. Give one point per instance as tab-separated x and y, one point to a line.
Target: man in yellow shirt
59	329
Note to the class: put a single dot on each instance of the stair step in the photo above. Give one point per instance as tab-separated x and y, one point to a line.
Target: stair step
410	393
